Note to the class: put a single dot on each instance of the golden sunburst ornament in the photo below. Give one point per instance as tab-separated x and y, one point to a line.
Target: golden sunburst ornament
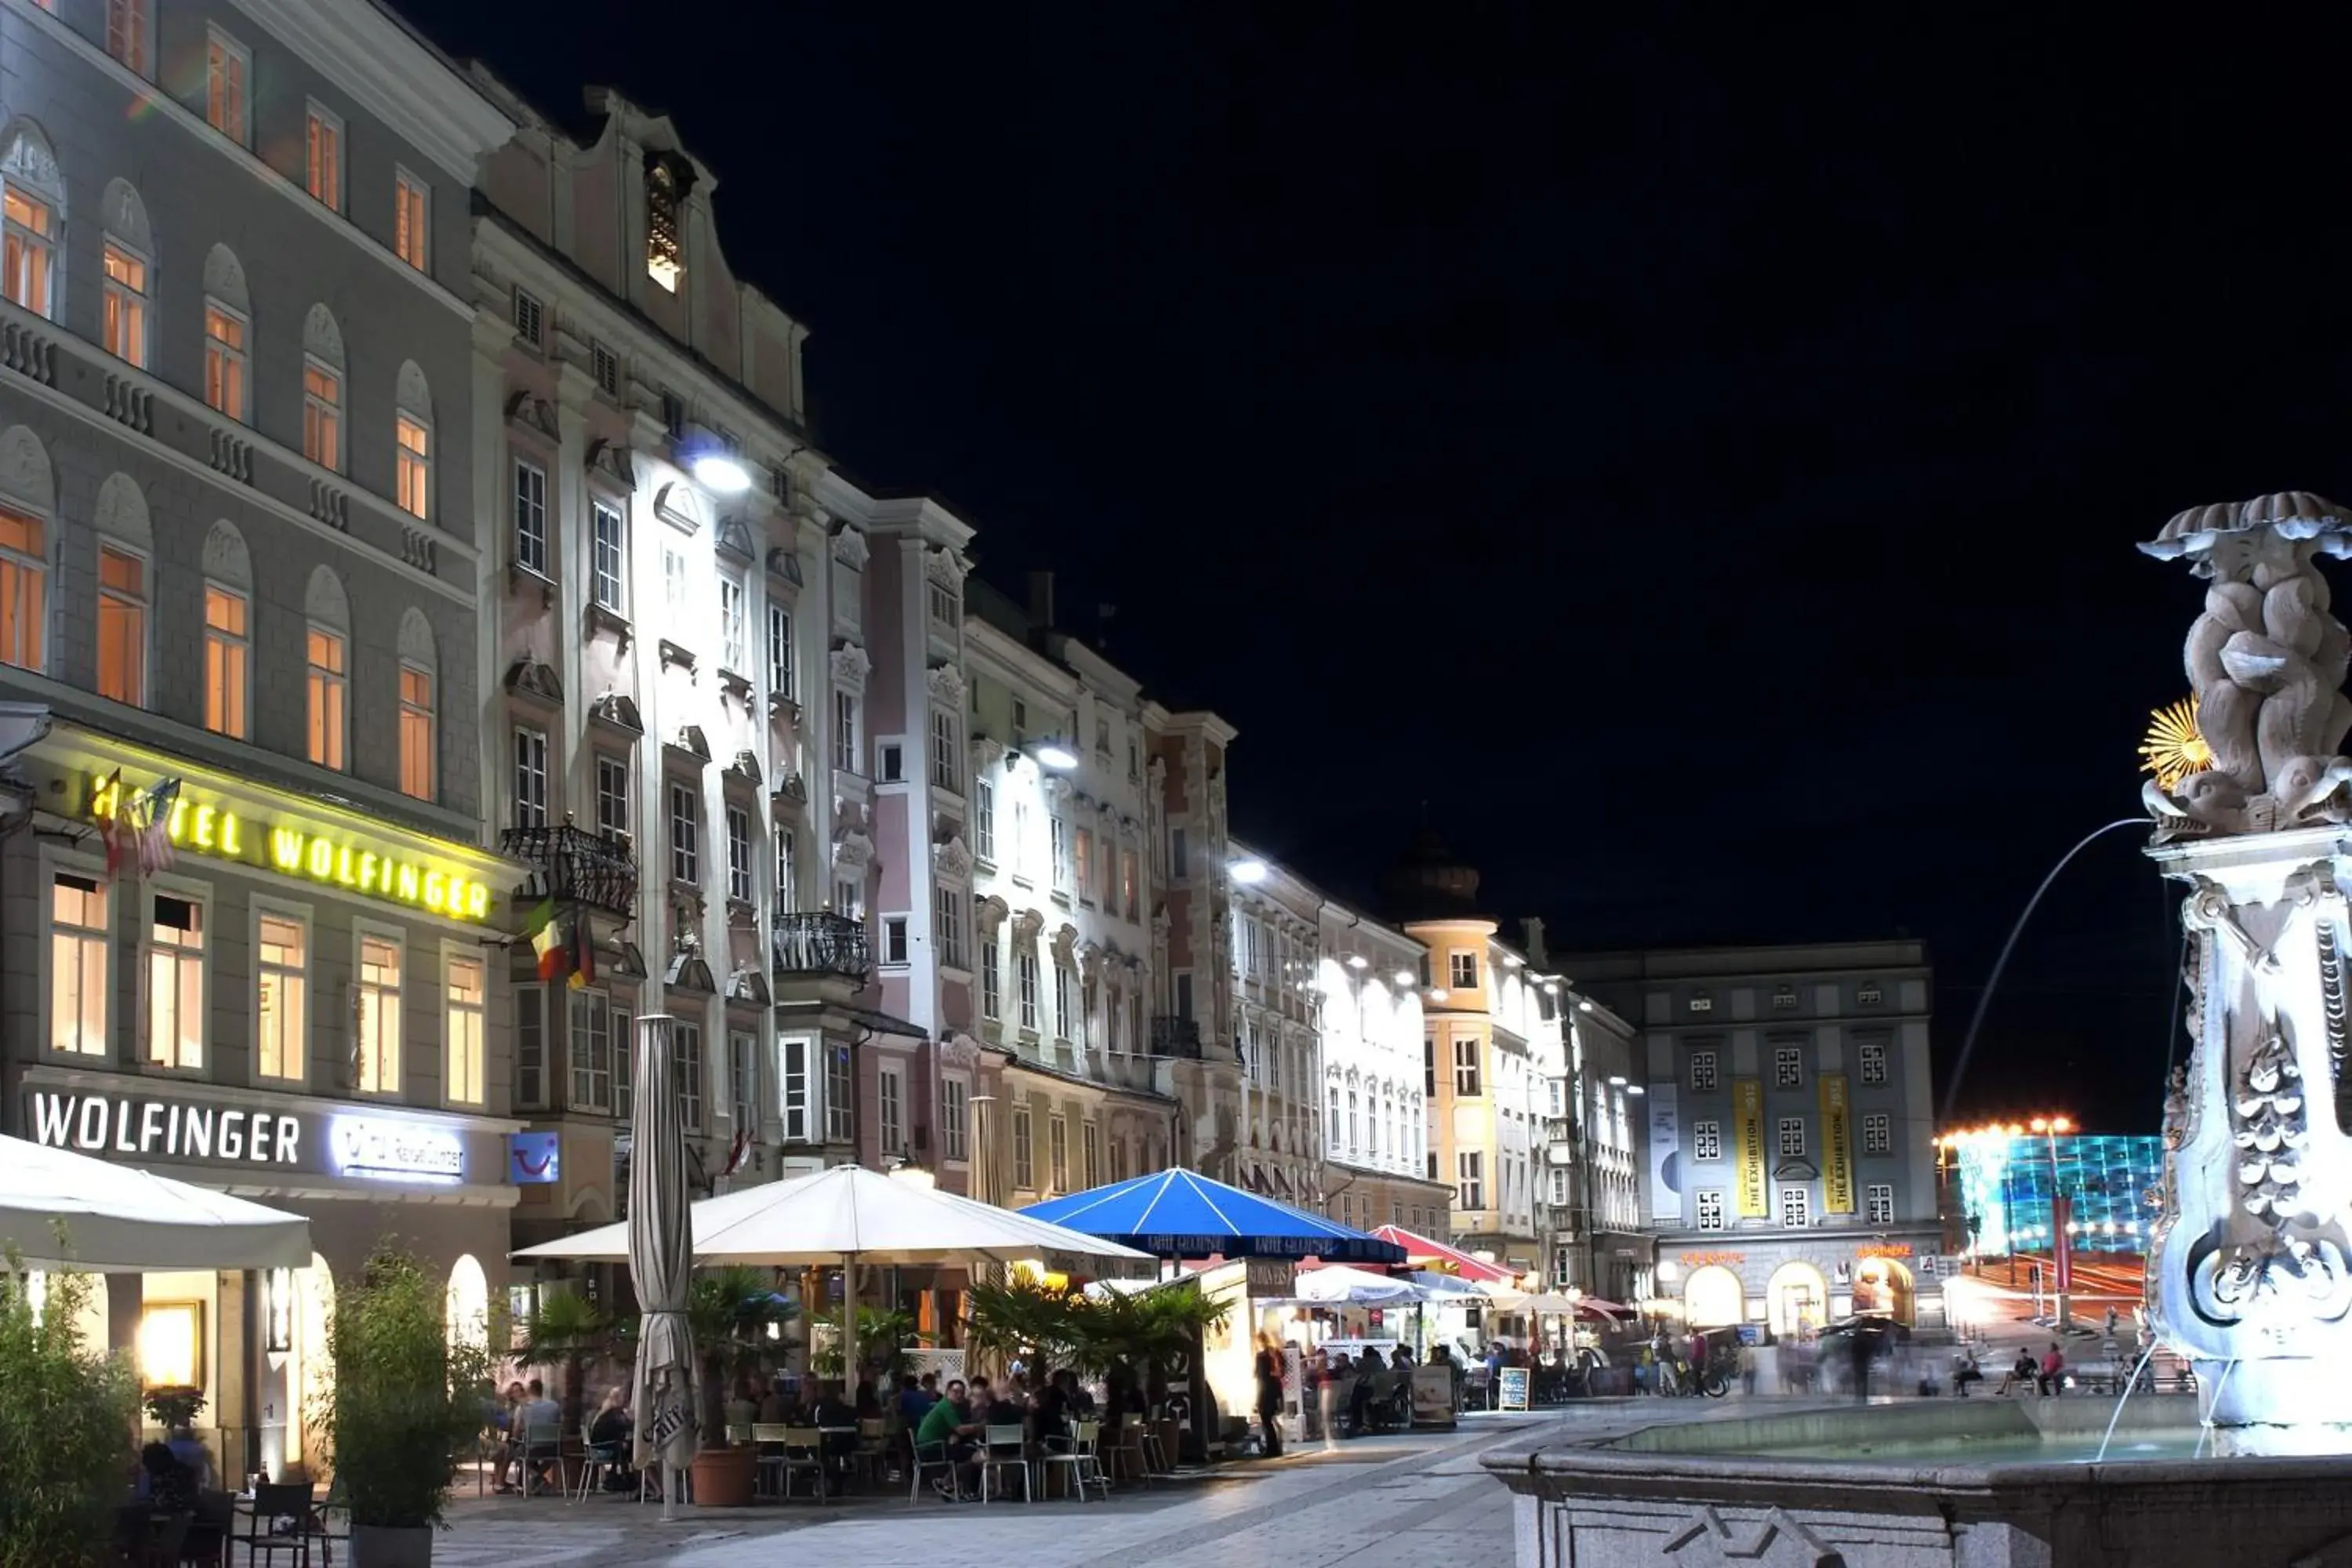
2174	747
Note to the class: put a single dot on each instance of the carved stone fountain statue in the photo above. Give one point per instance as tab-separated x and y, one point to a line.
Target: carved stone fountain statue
2250	1268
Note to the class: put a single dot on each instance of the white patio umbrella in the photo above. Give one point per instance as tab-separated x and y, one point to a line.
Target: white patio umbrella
1341	1285
661	1265
847	1215
120	1219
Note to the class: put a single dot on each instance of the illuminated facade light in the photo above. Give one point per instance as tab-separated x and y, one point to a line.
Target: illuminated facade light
1055	755
1247	871
1358	960
1402	977
722	474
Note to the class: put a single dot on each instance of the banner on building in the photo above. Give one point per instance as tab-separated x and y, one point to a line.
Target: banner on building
1747	1146
1665	1153
1837	1145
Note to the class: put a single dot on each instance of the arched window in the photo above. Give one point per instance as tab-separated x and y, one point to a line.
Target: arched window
323	389
32	219
413	434
228	634
28	502
126	558
128	264
417	678
328	612
229	321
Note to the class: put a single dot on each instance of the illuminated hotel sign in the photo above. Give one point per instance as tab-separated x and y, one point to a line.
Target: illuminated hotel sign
371	1148
402	1151
201	826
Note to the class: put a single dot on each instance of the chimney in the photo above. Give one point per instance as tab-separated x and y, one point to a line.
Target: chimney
1533	926
1041	600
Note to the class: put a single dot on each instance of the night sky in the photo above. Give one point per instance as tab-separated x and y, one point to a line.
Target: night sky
1692	454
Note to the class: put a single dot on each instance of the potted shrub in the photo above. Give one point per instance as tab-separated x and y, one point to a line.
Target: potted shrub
173	1408
882	1336
405	1402
66	1415
729	1313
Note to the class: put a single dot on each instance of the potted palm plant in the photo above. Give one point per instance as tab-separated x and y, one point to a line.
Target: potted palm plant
566	1330
729	1313
64	1426
405	1402
882	1336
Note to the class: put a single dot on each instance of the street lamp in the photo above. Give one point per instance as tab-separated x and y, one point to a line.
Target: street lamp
2049	1127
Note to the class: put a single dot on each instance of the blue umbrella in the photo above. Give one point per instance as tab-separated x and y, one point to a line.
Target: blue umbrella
1178	1213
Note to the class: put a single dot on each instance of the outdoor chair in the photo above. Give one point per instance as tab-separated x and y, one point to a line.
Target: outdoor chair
873	1453
206	1542
930	1459
277	1523
1005	1448
146	1538
542	1445
1152	1455
1080	1461
600	1461
803	1454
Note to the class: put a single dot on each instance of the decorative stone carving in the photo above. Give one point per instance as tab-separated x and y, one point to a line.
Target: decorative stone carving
850	668
121	512
746	766
734	539
1065	942
126	216
617	711
851	850
26	477
692	741
29	161
849	548
674	504
606	456
535	680
986	752
535	415
945	682
786	565
944	565
225	559
953	860
989	913
1026	925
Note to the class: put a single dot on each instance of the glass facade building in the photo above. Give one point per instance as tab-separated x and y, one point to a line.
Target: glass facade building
2007	1182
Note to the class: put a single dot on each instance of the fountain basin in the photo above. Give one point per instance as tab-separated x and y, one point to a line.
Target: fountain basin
1977	1483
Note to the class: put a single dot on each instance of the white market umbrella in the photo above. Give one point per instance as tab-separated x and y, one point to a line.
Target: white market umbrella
1339	1285
847	1215
661	1264
119	1219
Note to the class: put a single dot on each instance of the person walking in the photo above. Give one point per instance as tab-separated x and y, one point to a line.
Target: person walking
1325	1383
1747	1368
1269	1392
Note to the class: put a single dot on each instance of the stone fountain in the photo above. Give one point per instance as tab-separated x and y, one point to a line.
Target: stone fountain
2249	1269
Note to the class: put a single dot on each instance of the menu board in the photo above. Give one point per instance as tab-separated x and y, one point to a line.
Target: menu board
1514	1389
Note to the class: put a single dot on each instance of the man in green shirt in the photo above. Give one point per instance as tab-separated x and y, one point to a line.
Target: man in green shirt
946	1429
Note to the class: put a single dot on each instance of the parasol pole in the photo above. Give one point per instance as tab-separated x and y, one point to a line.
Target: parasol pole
849	1325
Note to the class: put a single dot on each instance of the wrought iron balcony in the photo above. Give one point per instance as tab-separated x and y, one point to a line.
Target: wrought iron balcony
820	942
1177	1038
571	863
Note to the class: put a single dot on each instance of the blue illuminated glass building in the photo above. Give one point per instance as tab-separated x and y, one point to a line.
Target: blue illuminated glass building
2006	1181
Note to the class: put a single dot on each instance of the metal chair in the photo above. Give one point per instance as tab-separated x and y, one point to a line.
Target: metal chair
1151	1455
803	1454
1080	1458
930	1458
873	1451
601	1461
542	1445
272	1506
1003	1448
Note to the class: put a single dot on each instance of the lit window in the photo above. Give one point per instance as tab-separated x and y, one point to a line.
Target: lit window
1463	971
226	64
410	203
79	944
733	599
23	579
416	471
611	795
123	322
685	825
739	854
225	360
326	698
531	516
378	1045
26	250
322	170
1796	1207
416	732
322	415
685	1068
121	625
176	984
466	1004
780	651
227	649
126	32
280	986
1083	865
983	819
664	251
611	550
530	778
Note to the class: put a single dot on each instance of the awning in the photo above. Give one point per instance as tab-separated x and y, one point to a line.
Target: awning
1423	1252
1181	1214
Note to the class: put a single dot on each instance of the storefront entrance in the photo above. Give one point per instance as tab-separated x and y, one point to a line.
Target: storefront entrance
1712	1298
1883	1286
1797	1301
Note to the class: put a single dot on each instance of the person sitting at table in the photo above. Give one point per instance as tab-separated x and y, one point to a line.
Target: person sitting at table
916	1398
744	1407
190	1450
164	1482
1010	1404
611	1433
1370	1371
1051	1407
946	1428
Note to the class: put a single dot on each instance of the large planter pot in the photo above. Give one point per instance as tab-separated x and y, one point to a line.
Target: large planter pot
391	1546
722	1477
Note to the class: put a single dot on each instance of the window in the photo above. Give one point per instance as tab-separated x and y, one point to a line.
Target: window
126	32
465	1001
1710	1209
281	995
983	819
611	795
1020	836
1020	722
592	1052
665	252
529	777
1873	1061
530	1048
992	984
686	1071
225	360
945	772
1064	1014
1082	865
955	1118
840	1124
743	1081
530	316
1058	1153
26	248
850	900
943	605
414	474
176	984
378	1046
1462	971
794	1100
947	918
123	322
780	651
1025	967
1179	857
1878	1133
531	516
226	64
676	591
1796	1207
734	646
845	733
894	939
1058	833
1130	893
739	855
322	161
607	548
1706	1141
322	415
416	732
1024	1154
1470	1178
1331	1118
78	945
1878	1203
1465	1065
685	819
1792	1136
410	201
121	625
1702	1066
607	365
1787	1066
890	1110
787	880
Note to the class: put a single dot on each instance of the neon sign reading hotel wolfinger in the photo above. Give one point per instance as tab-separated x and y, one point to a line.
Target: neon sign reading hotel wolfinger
206	828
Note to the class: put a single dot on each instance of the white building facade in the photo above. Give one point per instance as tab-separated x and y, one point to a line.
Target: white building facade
1377	1167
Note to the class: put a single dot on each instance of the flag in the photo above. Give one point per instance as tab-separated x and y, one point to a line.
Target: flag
738	1151
106	805
152	815
582	955
546	939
